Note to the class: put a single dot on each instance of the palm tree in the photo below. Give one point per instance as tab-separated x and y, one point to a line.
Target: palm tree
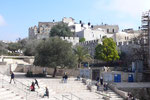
82	55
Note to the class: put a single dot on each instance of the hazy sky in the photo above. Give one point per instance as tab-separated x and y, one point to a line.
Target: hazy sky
16	16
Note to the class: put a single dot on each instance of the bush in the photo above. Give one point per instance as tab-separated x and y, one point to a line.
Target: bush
30	74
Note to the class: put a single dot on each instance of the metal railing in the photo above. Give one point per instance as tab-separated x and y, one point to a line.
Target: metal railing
15	88
66	97
20	88
71	96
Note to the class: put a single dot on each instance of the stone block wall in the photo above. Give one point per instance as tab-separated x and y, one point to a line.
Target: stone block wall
37	70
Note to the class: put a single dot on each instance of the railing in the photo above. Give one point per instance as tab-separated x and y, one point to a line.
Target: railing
56	98
15	88
65	97
71	96
20	88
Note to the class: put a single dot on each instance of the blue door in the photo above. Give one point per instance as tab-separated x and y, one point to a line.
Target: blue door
117	78
130	78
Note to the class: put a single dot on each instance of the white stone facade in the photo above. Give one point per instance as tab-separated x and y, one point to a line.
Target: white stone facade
90	34
73	40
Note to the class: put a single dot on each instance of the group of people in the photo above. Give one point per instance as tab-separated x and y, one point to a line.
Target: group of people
100	83
32	88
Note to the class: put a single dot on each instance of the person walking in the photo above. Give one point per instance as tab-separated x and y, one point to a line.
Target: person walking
46	92
101	80
12	77
36	83
65	77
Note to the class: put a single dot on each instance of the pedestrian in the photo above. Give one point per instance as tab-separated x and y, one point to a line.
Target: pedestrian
36	82
65	77
12	77
78	78
32	87
97	79
46	92
101	80
129	96
98	86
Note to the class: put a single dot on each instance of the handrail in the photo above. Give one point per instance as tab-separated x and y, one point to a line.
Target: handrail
16	80
24	92
75	96
65	96
27	87
56	98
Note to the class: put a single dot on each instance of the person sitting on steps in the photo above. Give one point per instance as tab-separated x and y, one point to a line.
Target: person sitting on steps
46	92
32	87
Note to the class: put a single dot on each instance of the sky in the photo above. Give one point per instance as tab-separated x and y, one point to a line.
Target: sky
16	16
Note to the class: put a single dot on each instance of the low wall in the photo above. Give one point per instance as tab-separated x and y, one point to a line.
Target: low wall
2	63
37	69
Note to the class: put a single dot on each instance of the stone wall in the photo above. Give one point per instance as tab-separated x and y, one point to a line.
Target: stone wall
36	70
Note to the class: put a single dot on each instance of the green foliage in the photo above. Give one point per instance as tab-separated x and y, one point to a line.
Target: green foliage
61	29
82	40
107	51
3	48
54	52
30	46
30	74
81	54
13	47
22	43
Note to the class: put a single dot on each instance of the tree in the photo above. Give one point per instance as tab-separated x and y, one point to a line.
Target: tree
81	54
3	49
61	29
54	52
107	51
30	46
82	40
22	43
13	47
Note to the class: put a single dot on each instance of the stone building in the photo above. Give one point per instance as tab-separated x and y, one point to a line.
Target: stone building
73	40
81	30
110	29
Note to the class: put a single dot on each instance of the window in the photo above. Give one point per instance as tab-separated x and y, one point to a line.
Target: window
113	30
127	38
107	30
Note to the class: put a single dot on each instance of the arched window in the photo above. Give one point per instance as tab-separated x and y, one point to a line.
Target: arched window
113	30
107	30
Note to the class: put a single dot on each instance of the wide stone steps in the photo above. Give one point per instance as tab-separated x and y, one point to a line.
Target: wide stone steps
6	94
